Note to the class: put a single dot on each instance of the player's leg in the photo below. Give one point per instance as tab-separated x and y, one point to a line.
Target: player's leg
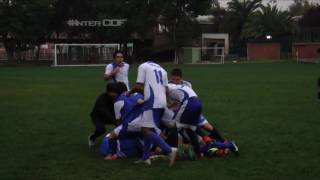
113	137
99	130
214	132
150	137
225	145
194	140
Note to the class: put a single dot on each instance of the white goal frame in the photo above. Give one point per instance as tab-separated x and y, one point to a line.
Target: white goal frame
55	62
208	54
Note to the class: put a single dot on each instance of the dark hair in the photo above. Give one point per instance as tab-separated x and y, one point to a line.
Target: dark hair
116	52
121	88
111	87
176	72
147	54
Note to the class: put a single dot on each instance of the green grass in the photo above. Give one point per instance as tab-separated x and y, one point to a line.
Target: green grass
270	109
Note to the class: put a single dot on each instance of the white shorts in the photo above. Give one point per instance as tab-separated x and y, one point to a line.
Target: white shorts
167	118
151	118
135	125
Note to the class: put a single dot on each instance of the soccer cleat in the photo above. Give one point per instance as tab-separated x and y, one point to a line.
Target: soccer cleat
111	157
141	161
172	156
235	148
90	142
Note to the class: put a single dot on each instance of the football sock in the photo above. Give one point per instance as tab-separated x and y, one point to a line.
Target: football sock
113	146
200	132
172	139
153	138
215	134
221	145
194	141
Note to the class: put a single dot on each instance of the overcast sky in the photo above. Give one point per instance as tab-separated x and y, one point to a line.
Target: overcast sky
283	4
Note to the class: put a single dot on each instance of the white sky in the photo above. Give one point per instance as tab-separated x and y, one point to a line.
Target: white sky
282	4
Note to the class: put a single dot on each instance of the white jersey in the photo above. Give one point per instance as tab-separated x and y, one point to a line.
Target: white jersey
180	93
187	83
155	79
121	76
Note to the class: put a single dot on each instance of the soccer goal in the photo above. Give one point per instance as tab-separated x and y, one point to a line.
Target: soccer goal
212	55
83	54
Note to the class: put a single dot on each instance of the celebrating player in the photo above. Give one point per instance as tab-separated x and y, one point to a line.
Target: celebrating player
176	78
118	70
153	79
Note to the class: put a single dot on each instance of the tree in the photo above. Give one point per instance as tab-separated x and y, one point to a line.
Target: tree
269	20
309	18
239	13
218	14
23	24
299	7
178	16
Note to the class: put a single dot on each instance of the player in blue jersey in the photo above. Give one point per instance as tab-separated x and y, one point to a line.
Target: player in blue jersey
127	108
127	147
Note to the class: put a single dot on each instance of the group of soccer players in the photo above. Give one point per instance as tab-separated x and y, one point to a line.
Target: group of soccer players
157	117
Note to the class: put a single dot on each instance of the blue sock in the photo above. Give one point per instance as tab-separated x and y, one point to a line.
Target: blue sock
157	140
146	148
113	146
221	145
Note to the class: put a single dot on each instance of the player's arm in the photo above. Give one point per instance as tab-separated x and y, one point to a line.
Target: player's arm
110	72
117	111
139	86
140	99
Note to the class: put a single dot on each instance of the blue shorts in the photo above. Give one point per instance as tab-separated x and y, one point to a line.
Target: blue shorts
191	112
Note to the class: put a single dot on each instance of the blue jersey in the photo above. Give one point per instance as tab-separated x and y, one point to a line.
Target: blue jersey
127	147
128	109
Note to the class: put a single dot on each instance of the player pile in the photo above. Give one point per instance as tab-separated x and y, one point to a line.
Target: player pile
160	119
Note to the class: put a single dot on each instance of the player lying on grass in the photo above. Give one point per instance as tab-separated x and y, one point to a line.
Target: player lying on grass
126	147
209	147
129	147
103	113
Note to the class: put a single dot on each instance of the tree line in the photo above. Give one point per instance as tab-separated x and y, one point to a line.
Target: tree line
26	24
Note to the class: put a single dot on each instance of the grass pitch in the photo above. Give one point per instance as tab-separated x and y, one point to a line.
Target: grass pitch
270	109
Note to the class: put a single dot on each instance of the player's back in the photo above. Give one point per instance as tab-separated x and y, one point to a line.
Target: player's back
154	78
181	92
130	106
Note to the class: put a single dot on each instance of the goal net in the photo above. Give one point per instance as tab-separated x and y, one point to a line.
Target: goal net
214	55
83	54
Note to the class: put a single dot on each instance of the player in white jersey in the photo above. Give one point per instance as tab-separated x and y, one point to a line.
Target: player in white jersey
176	78
118	70
153	79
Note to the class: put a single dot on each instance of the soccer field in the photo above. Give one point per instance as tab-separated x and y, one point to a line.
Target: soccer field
270	109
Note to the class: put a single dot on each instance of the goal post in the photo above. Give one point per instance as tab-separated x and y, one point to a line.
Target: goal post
83	54
212	55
